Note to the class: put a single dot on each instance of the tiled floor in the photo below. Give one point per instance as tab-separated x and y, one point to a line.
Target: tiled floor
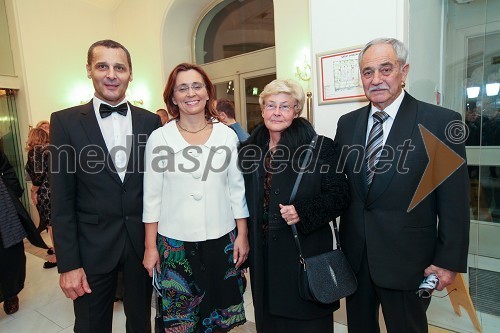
45	309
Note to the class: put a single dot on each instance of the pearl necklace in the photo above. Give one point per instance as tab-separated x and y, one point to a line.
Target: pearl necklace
193	132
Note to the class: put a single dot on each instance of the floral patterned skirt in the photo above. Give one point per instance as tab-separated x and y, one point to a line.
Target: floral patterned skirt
201	289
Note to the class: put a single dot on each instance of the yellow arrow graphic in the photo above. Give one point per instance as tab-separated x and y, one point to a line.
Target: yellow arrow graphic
443	162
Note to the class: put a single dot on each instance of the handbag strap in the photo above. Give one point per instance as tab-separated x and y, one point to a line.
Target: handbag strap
292	197
296	187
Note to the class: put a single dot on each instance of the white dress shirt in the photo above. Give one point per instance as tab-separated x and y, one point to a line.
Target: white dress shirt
117	133
391	110
194	192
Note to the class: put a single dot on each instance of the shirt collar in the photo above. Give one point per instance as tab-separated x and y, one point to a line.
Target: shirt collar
97	103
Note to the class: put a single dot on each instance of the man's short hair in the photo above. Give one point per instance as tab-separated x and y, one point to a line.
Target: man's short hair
110	44
162	111
226	106
398	46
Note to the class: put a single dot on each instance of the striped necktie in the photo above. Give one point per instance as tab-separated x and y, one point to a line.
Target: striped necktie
374	144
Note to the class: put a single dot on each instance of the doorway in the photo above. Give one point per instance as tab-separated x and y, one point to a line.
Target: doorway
241	79
10	138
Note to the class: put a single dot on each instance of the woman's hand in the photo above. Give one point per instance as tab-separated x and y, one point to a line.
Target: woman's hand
151	260
34	194
241	250
289	214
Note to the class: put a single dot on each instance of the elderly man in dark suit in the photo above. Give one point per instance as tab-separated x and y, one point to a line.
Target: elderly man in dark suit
96	179
390	245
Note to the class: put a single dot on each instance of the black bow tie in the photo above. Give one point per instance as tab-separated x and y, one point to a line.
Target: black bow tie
106	110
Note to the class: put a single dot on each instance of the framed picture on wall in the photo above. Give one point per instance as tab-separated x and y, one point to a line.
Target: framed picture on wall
338	76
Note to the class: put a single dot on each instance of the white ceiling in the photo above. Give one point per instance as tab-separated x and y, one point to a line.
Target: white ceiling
104	4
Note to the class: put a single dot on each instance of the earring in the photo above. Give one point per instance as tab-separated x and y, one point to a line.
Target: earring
403	84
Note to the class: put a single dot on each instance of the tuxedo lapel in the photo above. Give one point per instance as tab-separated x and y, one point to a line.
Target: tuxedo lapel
94	135
138	139
402	129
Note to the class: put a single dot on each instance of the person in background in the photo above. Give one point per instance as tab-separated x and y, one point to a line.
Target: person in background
12	257
227	115
37	167
44	124
96	180
390	246
270	160
195	210
163	116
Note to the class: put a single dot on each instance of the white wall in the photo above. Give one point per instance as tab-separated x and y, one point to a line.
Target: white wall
425	79
54	38
292	35
337	25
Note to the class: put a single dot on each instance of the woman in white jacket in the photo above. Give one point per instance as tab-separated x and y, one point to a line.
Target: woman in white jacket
195	210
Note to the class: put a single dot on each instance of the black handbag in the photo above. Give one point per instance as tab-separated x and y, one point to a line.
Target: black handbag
327	277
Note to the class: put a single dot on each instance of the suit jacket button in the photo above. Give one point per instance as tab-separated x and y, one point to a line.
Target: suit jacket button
277	191
275	217
275	238
124	191
202	268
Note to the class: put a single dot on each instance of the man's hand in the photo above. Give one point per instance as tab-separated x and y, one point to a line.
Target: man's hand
74	283
445	276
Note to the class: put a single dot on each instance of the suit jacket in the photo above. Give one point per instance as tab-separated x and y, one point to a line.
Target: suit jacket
93	211
400	244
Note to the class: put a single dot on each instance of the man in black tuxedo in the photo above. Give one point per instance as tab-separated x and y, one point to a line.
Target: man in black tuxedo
390	246
96	180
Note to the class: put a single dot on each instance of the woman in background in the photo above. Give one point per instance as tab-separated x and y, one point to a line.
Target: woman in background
270	160
37	168
195	210
44	124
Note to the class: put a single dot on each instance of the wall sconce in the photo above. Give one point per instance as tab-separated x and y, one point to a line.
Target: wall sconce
303	72
492	89
136	97
137	102
473	92
303	69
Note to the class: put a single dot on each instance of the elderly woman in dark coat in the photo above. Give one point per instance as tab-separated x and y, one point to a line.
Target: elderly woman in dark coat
270	161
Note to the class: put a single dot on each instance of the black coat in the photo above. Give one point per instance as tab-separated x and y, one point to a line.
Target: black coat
15	191
321	197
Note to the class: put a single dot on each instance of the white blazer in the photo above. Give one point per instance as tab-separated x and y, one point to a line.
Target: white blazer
194	192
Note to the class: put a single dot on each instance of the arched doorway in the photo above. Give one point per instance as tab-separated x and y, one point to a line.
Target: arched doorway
240	75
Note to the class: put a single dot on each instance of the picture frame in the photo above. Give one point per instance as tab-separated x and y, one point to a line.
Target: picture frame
338	76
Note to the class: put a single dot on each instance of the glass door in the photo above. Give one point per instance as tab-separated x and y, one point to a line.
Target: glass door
251	85
10	140
243	90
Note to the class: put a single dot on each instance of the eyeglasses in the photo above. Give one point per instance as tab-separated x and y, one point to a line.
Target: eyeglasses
184	88
282	107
